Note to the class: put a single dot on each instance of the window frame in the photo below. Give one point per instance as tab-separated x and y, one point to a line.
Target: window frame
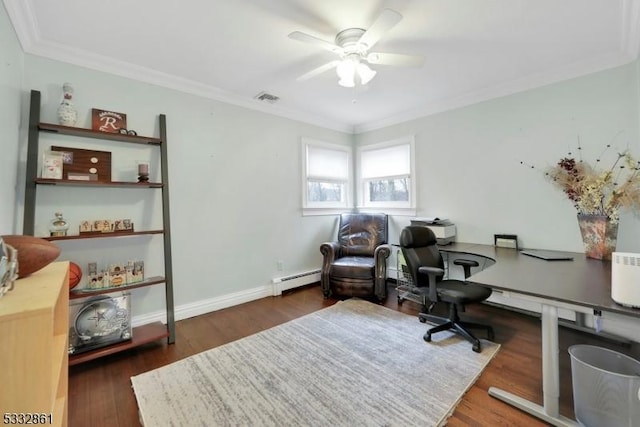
391	207
330	207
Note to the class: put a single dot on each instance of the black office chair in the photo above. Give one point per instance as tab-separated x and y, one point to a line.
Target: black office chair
426	267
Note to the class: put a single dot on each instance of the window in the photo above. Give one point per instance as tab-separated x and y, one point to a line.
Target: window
326	175
385	175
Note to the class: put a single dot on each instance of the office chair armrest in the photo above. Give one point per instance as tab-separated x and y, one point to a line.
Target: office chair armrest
431	270
433	273
466	264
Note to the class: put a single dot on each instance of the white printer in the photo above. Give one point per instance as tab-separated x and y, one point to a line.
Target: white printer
444	229
625	278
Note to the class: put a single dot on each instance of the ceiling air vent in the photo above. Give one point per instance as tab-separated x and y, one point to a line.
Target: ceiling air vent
267	97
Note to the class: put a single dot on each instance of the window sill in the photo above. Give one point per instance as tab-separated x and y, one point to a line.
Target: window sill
389	211
337	211
324	211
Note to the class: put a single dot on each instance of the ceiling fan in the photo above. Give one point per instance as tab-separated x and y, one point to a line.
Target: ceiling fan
353	47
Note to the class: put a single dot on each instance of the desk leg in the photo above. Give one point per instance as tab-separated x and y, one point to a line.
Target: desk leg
550	360
549	412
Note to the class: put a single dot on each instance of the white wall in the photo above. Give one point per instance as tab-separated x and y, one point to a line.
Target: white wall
468	160
234	179
11	68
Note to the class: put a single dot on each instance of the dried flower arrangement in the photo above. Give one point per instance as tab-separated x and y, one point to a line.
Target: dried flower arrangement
595	191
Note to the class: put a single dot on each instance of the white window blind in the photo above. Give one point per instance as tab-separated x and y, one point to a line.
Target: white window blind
327	177
327	163
390	161
385	175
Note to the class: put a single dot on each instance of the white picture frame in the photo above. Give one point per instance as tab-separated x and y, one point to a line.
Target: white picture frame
52	162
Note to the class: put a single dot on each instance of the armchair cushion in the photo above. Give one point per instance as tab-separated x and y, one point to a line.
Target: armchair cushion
355	267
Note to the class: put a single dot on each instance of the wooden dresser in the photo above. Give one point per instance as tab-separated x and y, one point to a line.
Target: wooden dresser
34	327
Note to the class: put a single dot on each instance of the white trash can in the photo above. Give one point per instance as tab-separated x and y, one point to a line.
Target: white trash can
606	387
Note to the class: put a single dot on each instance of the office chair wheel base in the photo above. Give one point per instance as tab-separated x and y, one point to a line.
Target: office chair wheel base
422	320
477	347
427	336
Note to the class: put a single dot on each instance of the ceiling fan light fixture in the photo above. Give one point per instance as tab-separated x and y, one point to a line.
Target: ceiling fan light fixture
353	45
365	73
349	82
346	70
349	68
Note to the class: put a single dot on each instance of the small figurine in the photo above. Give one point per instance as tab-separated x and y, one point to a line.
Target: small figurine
67	114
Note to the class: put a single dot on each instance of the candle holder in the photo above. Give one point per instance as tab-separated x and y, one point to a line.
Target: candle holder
143	172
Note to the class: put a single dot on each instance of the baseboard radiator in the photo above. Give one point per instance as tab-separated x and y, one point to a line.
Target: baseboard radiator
281	284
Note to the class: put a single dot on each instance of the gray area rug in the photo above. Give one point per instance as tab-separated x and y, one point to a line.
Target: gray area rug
352	364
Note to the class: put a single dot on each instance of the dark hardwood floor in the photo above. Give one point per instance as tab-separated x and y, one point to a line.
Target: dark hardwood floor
100	392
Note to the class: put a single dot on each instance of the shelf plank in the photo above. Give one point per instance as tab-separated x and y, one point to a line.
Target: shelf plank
96	134
103	235
141	335
75	294
77	183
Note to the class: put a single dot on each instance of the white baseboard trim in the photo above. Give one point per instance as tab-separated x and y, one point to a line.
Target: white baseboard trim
186	311
143	319
279	286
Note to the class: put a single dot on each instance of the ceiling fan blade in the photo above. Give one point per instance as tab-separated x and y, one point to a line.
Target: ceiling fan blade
306	38
316	71
384	22
397	59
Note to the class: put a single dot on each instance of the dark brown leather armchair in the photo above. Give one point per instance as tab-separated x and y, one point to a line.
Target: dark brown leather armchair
356	264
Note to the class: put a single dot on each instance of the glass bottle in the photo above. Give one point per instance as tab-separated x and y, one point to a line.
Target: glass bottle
58	226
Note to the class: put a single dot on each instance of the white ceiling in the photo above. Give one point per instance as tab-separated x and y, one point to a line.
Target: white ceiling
231	50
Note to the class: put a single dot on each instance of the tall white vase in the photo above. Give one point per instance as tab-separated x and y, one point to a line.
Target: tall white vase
67	114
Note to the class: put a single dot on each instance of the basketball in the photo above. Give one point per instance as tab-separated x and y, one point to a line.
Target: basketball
75	274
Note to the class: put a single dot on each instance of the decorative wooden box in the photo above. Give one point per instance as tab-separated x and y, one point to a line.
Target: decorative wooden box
85	165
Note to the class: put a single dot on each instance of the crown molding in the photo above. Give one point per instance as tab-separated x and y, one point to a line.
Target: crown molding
629	47
504	89
25	24
108	65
